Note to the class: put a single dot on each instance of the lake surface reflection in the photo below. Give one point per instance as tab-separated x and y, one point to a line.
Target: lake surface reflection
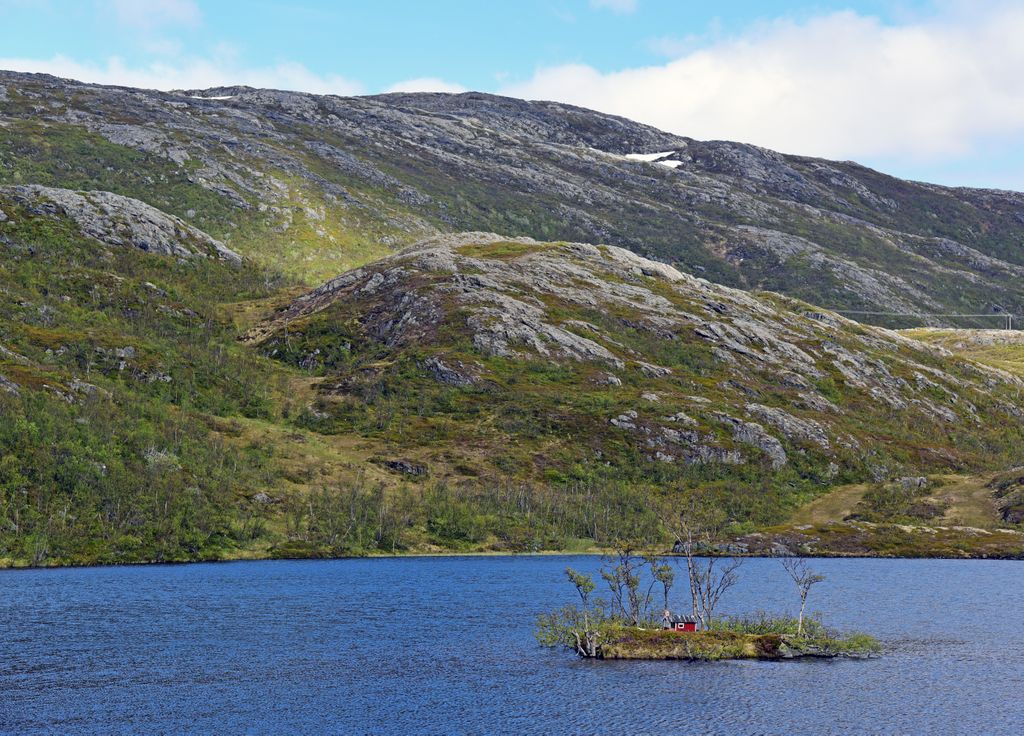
444	645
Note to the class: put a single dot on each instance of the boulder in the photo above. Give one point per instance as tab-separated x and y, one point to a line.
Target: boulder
449	375
793	428
753	434
9	386
406	467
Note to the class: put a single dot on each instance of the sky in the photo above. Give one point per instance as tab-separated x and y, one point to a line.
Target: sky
931	90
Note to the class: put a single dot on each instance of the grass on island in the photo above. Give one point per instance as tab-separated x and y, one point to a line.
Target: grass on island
761	636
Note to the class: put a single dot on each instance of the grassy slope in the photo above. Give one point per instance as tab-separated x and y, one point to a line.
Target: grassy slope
305	238
123	466
237	455
1000	348
923	523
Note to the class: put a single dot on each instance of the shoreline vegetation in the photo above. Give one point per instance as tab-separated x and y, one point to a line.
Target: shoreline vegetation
861	541
7	564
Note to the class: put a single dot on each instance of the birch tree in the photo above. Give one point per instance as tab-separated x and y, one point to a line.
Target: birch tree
805	579
587	636
622	572
696	527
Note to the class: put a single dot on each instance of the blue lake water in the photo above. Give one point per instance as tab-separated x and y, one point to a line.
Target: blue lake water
444	645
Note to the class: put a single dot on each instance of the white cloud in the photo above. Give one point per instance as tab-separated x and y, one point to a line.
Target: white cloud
840	85
425	84
616	6
148	15
194	73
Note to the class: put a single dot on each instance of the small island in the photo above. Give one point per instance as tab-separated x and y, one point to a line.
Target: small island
730	639
625	624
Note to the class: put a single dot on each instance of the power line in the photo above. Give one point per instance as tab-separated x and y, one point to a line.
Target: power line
1005	316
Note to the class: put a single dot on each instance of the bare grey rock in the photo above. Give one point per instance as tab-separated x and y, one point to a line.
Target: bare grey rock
88	389
625	421
120	221
712	454
912	483
938	411
753	434
610	379
8	354
789	379
653	371
793	428
406	467
457	374
60	393
9	386
816	402
683	418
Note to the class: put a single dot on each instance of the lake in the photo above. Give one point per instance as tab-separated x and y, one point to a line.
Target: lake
445	646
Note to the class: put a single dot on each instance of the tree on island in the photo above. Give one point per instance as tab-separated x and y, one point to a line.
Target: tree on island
588	635
663	573
805	579
624	573
696	526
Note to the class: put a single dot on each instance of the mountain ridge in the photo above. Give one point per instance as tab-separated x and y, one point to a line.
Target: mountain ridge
374	173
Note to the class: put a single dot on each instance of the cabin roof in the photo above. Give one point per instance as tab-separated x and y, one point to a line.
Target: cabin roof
681	618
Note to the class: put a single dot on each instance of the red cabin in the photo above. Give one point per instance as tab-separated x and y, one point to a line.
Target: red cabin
679	622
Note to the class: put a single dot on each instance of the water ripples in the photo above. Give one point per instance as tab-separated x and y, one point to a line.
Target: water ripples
444	646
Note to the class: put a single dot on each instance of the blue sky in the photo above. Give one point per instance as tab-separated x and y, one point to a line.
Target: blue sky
926	89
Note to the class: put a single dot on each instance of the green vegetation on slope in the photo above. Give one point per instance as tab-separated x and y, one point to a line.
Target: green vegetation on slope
303	235
141	429
113	360
468	416
1002	349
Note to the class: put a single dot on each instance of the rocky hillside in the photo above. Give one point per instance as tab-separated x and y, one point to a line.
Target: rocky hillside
479	356
185	375
312	186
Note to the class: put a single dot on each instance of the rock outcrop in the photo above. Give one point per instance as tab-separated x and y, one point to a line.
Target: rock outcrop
119	221
703	374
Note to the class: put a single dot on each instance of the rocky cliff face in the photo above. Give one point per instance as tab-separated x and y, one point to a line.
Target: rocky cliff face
622	358
313	184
